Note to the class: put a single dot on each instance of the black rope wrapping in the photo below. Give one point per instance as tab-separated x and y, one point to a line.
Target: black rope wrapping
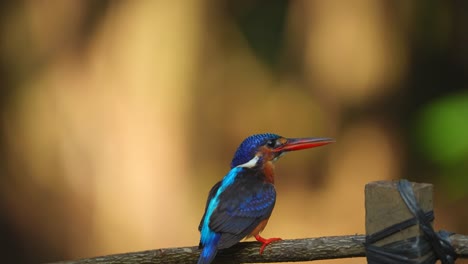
424	249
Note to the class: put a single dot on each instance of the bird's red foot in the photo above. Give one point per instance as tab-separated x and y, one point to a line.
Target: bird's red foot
265	241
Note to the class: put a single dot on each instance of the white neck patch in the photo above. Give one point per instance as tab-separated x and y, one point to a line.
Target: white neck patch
251	163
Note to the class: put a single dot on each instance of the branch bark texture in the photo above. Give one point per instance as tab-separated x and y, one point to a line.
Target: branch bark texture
293	250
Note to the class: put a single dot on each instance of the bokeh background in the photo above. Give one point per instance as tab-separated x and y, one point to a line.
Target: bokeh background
116	117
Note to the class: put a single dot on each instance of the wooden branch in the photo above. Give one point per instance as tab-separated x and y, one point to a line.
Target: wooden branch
460	243
308	249
384	207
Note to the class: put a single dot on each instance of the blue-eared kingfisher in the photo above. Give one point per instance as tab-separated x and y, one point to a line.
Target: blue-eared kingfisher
241	203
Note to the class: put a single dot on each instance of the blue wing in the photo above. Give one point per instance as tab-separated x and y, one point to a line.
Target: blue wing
242	206
212	193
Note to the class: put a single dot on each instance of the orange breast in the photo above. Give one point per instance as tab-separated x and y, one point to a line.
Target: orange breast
268	166
269	172
259	228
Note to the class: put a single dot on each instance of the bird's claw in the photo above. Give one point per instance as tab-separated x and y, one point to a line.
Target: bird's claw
265	242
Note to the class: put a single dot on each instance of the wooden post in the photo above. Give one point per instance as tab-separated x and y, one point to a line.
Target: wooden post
385	207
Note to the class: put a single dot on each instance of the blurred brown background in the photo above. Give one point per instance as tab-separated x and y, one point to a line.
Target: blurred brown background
118	116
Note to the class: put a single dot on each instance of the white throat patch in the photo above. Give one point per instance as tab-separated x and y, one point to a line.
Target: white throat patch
251	163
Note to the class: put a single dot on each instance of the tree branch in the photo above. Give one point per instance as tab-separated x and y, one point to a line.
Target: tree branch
308	249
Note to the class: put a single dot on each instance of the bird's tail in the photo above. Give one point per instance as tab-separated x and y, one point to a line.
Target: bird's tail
208	253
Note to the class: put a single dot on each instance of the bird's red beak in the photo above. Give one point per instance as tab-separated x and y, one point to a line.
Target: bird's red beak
293	144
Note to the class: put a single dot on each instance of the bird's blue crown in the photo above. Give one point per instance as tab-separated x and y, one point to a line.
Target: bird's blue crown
249	147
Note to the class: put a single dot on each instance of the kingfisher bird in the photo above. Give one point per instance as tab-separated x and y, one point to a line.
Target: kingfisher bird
241	203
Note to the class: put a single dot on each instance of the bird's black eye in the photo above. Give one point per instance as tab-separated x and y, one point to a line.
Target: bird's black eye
271	143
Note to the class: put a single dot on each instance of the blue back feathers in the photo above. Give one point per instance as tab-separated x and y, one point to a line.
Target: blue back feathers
249	147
